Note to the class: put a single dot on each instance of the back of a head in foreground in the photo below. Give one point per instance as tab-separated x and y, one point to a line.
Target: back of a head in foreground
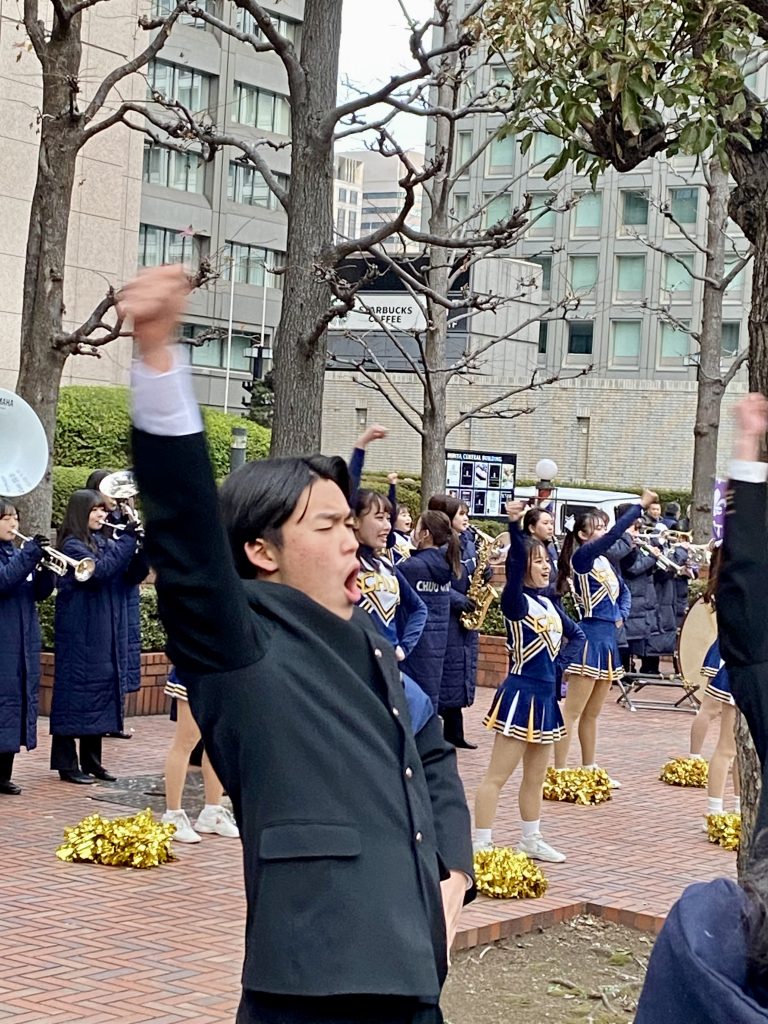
260	497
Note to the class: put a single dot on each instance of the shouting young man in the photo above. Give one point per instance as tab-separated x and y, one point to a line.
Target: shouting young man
355	830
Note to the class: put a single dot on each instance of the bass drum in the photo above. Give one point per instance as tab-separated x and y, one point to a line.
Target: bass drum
696	635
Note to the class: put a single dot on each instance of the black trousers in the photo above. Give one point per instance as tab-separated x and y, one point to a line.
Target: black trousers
64	754
6	767
453	724
265	1008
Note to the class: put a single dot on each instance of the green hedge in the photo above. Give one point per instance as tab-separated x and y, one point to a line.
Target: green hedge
218	431
152	632
66	479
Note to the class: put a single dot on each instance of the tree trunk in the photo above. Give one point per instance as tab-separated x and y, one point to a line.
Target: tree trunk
41	363
301	345
748	206
710	390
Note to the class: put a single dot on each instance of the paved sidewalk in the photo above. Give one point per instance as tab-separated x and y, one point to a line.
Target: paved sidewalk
84	944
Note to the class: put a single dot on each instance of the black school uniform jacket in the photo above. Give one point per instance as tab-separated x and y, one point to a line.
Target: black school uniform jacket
347	826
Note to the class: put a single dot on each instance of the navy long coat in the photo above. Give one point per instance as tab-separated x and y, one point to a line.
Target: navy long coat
20	587
133	679
457	688
92	639
429	575
638	571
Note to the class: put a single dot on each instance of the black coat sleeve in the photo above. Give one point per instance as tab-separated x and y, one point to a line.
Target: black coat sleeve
449	804
200	596
742	612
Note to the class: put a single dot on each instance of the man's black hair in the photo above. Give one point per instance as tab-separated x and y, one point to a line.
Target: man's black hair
260	497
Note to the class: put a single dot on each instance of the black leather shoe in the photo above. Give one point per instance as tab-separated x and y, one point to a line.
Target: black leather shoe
463	744
119	735
103	775
78	778
9	788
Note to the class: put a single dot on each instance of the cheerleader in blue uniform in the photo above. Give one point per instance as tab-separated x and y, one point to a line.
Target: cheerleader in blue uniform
386	595
600	595
525	714
719	689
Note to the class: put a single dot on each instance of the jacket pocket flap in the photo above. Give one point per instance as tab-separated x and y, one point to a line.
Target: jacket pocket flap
300	840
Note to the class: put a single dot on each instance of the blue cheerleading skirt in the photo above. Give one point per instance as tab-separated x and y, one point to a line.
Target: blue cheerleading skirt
600	657
712	661
719	687
526	709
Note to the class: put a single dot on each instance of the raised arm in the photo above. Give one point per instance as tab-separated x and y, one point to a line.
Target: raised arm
742	612
357	458
584	556
200	596
513	603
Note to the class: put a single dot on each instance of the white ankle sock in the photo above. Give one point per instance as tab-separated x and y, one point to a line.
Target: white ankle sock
695	757
714	805
483	836
211	807
530	828
737	804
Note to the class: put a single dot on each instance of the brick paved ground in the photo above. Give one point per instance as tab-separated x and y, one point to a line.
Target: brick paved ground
97	945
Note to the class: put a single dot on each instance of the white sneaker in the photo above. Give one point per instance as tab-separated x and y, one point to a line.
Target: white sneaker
535	847
218	820
184	832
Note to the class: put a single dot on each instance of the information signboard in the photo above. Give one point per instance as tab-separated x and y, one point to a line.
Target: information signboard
483	481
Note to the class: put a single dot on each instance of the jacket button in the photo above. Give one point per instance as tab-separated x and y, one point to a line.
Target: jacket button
418	837
395	712
409	773
377	652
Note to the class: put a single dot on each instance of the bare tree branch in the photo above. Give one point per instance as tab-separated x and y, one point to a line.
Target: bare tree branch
532	385
36	31
735	366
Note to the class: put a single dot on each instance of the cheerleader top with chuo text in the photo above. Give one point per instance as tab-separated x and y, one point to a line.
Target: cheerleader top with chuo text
535	627
597	585
395	607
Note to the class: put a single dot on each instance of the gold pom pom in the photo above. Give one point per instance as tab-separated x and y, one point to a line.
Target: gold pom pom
135	842
725	830
577	785
685	771
505	874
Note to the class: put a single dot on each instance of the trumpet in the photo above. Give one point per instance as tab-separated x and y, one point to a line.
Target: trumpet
60	564
648	541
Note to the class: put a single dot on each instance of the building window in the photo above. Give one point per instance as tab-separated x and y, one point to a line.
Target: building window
289	29
262	109
545	262
163	245
678	282
544	150
684	205
501	155
461	206
630	277
342	195
497	209
540	218
583	274
464	150
501	78
173	82
352	223
250	262
634	210
341	220
212	353
735	289
580	337
247	185
543	333
162	9
674	346
167	167
348	170
729	342
626	342
587	216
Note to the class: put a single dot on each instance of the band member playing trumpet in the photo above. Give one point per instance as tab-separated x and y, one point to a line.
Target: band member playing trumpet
525	714
93	639
599	592
20	587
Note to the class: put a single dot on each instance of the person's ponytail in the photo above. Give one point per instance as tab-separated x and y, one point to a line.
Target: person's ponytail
443	535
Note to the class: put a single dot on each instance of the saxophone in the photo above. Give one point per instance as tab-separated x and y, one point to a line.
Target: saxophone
482	593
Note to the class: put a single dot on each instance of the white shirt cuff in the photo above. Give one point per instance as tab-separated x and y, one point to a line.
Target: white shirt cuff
164	403
748	472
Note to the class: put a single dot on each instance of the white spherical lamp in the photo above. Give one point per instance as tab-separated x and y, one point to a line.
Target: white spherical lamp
546	469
